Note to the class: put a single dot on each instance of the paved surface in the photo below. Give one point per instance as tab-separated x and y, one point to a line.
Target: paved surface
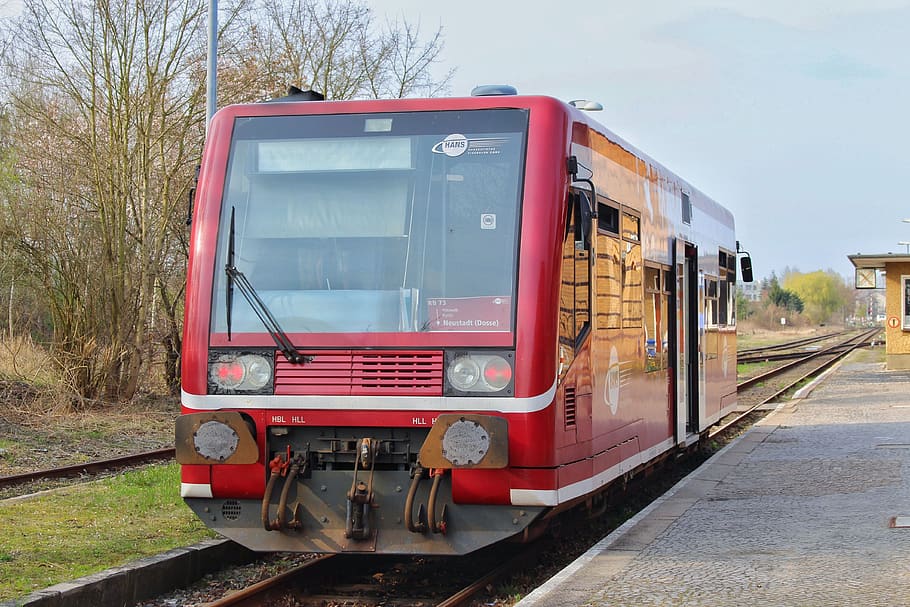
798	511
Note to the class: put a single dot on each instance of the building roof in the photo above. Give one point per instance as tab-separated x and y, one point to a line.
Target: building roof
877	260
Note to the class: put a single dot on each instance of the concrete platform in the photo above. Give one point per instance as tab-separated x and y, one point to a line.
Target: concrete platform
140	579
810	507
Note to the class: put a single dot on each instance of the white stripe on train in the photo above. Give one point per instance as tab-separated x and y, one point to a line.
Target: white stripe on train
498	404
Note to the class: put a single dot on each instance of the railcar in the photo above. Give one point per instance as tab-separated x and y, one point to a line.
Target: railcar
426	325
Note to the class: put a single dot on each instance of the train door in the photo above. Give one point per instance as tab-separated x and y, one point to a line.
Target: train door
576	383
684	348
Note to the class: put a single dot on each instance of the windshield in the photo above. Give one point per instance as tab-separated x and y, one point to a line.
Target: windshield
374	222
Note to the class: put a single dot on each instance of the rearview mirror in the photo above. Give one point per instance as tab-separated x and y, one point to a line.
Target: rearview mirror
746	264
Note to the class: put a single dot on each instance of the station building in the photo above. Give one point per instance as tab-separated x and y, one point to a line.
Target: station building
750	290
892	270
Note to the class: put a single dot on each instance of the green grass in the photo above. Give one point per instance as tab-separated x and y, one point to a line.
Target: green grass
84	529
7	451
751	368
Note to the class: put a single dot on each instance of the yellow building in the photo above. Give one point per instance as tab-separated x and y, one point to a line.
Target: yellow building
895	270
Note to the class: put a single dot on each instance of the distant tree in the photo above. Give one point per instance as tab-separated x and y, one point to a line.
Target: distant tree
743	306
24	313
823	293
784	298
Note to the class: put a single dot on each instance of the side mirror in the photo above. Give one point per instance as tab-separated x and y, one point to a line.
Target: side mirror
746	264
189	206
192	197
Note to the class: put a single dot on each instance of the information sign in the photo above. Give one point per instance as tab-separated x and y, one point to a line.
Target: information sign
469	313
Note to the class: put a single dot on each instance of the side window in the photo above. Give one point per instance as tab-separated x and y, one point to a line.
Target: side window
575	284
609	268
723	300
656	322
607	218
667	286
711	301
711	310
632	293
726	299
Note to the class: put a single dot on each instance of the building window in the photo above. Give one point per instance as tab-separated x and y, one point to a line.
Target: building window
905	302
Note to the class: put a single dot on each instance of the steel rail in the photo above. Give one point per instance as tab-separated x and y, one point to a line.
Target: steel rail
775	357
281	584
791	344
93	467
253	594
529	554
836	352
860	339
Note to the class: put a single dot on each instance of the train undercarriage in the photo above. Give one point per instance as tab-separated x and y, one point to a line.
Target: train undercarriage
342	489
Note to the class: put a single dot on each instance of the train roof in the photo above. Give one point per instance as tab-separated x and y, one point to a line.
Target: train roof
315	104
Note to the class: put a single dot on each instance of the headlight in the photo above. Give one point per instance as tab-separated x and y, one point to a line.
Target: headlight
258	370
463	373
239	372
469	372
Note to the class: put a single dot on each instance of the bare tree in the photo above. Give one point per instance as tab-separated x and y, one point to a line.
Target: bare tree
106	124
334	46
105	109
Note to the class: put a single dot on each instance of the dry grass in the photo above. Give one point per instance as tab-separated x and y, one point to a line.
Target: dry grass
41	428
754	335
23	360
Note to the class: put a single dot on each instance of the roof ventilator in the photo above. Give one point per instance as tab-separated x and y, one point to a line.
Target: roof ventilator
296	94
492	90
586	106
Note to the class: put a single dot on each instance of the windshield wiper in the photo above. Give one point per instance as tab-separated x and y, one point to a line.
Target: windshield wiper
236	277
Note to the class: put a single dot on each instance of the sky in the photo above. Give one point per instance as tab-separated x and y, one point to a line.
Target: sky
791	113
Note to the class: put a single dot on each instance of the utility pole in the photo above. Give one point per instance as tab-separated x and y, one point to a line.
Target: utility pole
211	81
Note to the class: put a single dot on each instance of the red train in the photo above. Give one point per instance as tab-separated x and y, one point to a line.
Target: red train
425	325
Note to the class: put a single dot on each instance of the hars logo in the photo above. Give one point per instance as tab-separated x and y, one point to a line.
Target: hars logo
454	145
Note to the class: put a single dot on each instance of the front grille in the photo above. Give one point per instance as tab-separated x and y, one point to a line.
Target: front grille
362	373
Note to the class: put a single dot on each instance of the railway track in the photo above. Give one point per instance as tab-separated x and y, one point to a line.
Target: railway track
788	345
88	468
367	580
799	348
370	580
761	389
352	580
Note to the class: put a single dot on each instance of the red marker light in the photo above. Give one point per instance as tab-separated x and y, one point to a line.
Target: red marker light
497	373
229	373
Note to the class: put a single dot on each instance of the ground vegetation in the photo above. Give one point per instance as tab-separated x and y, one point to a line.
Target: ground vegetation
102	122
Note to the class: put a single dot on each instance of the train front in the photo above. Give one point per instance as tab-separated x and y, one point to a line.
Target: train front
349	356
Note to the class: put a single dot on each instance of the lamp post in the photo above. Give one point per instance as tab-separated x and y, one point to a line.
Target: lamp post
904	242
211	72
